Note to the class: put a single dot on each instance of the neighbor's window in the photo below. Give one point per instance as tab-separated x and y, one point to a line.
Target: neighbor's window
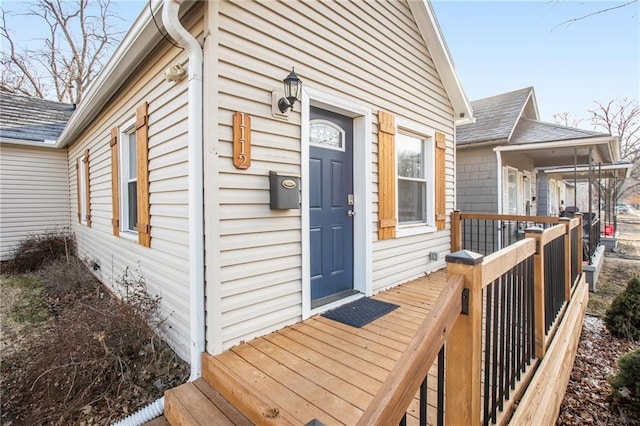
512	191
413	167
129	200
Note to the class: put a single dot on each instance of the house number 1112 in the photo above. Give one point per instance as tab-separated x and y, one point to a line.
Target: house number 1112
241	140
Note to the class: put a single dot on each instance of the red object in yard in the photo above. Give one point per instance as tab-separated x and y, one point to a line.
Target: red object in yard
609	230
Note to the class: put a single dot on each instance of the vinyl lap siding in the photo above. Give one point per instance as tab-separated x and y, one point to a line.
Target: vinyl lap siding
164	266
34	191
370	53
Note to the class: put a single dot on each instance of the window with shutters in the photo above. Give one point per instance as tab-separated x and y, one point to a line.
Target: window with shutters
412	178
128	179
129	146
414	149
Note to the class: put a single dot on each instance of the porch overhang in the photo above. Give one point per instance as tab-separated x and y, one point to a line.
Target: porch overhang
604	150
620	170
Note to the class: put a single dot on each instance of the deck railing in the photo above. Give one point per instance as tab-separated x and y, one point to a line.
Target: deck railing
517	298
486	233
489	328
409	376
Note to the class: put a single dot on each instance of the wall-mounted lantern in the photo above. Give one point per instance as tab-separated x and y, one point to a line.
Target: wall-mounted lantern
292	89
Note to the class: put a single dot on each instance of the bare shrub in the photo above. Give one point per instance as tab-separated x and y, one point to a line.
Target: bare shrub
98	354
38	250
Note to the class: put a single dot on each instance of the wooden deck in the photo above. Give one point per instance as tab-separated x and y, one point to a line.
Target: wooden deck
321	369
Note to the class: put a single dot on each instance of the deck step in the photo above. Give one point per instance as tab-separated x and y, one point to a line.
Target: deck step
198	403
259	408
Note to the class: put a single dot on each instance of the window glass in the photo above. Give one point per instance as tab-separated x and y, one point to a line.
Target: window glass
129	198
412	185
326	135
512	182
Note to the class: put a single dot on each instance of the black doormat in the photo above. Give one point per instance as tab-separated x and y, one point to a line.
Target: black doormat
360	312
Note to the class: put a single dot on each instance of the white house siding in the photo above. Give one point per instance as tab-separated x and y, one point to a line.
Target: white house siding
34	193
164	265
370	53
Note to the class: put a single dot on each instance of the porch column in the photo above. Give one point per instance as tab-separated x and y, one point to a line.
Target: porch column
463	349
538	289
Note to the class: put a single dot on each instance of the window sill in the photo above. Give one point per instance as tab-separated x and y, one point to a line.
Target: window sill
128	235
409	230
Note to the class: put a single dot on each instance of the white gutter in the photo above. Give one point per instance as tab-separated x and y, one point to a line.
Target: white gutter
37	144
184	38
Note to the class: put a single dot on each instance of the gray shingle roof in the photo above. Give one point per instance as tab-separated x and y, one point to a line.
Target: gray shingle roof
495	116
533	131
32	119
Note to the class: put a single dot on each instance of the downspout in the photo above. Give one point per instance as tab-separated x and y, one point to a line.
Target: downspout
183	37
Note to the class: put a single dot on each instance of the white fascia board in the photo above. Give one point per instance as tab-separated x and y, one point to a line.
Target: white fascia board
432	35
571	143
133	48
24	142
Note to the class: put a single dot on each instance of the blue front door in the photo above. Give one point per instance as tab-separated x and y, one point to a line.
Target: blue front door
331	205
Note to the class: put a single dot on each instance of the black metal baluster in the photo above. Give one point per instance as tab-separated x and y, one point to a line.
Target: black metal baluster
503	348
487	353
423	401
494	350
441	354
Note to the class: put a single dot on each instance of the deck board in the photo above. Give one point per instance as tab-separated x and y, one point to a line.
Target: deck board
325	370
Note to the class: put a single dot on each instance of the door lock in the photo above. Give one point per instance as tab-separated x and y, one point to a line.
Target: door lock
351	213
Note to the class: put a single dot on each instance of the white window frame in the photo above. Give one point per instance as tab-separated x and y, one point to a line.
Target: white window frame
125	131
427	135
82	208
526	187
505	191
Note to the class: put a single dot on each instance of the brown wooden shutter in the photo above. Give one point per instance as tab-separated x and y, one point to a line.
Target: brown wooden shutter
87	190
142	141
78	186
386	176
441	181
115	186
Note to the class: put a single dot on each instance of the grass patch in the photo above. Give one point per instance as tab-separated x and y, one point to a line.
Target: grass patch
612	281
30	305
98	361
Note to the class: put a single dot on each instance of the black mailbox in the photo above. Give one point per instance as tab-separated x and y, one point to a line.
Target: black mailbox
284	191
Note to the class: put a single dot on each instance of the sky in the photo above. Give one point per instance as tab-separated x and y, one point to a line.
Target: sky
501	46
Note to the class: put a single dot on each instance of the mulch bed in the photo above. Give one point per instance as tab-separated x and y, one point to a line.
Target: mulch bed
588	399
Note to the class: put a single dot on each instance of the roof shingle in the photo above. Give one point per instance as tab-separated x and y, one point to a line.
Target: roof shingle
495	116
32	119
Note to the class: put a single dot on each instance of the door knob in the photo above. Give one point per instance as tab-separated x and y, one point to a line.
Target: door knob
351	213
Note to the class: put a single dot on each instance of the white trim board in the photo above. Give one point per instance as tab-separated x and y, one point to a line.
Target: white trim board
362	228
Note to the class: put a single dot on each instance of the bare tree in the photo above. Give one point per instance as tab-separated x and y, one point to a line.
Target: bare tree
622	117
566	119
61	66
597	12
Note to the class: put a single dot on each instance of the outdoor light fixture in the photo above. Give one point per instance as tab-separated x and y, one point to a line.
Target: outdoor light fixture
292	87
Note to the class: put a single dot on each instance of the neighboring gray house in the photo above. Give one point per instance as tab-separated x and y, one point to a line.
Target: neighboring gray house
504	159
34	184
